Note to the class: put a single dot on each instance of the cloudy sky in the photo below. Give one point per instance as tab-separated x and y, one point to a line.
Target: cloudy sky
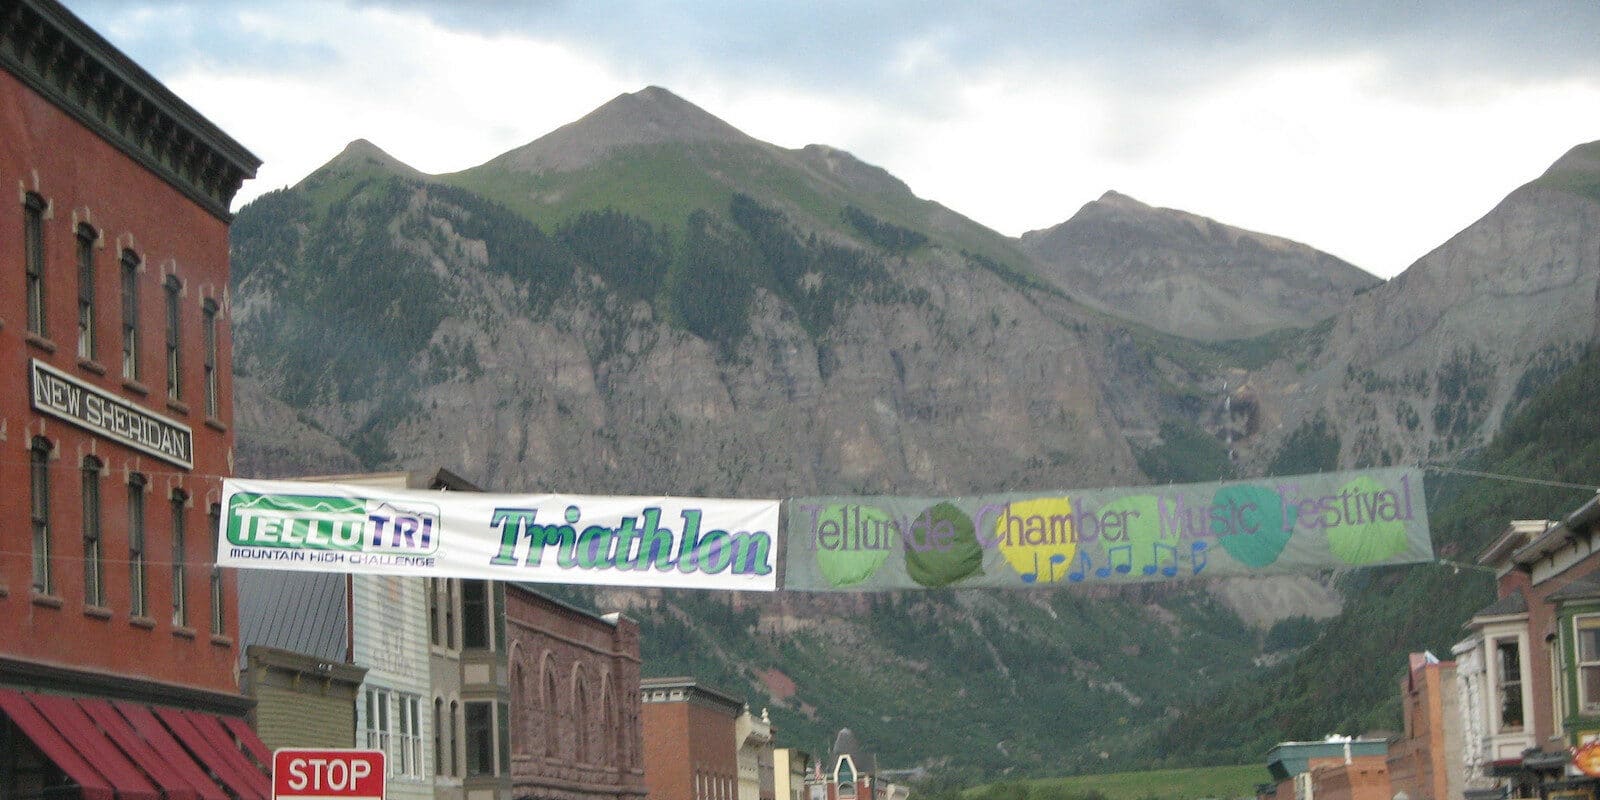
1371	129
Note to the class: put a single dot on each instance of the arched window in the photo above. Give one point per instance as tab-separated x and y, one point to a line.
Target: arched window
173	288
130	315
137	593
33	208
581	718
219	595
94	590
87	238
455	738
438	737
39	485
611	732
521	698
180	560
208	330
552	711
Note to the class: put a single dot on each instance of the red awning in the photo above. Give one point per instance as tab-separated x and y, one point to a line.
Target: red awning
87	739
212	728
151	729
94	786
118	750
172	780
233	771
251	742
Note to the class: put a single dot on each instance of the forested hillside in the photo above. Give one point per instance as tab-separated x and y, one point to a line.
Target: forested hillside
1347	681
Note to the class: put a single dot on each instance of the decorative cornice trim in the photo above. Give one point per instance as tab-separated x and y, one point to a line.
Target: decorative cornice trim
17	673
55	54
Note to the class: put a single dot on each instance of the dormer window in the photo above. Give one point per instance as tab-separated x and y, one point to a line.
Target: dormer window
844	774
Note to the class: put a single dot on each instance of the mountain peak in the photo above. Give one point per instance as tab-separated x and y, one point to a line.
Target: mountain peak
363	156
1116	199
1191	275
652	115
1578	172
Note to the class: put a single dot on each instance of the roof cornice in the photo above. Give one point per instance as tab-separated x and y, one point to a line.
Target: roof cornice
55	54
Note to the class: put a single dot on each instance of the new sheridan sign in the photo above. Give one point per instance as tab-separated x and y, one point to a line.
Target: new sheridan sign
60	395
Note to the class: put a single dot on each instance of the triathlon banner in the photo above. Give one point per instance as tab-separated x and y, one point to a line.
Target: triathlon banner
1150	533
619	541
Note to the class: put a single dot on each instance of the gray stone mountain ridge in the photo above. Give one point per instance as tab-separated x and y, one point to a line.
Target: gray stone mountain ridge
1431	362
1175	271
1189	275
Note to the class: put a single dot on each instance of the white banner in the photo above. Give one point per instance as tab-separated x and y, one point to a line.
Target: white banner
671	542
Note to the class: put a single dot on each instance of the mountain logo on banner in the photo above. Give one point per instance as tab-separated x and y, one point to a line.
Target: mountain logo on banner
307	524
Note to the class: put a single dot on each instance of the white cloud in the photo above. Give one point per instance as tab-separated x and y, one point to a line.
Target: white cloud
1333	150
438	100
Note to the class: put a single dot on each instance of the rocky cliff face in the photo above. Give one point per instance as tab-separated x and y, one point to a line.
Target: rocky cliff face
952	380
1431	362
1189	275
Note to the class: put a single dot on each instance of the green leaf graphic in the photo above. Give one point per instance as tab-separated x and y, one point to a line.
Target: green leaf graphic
963	557
848	567
1372	540
1259	508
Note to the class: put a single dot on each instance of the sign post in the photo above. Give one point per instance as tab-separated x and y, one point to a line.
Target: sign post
299	774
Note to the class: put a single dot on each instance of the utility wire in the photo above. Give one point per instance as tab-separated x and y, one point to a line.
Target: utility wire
1512	478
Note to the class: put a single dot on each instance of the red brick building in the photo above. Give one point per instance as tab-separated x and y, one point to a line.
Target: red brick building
689	740
1425	761
575	701
115	410
1336	768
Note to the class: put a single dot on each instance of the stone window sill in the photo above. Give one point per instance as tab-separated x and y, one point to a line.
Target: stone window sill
40	342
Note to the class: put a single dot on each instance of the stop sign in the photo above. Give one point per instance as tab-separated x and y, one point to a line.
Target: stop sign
327	774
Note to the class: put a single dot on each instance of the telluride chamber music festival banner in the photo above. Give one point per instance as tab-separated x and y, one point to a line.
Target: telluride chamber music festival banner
1149	533
1265	526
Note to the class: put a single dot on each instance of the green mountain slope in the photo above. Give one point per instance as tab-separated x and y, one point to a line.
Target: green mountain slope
657	157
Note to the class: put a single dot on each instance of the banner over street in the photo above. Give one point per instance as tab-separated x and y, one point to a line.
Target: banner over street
619	541
1149	533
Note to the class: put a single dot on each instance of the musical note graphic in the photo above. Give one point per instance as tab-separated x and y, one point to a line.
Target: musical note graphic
1156	549
1197	556
1056	558
1126	550
1032	577
1082	565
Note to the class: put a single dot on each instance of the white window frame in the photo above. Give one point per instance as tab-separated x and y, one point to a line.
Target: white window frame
1497	698
408	739
378	731
1581	623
